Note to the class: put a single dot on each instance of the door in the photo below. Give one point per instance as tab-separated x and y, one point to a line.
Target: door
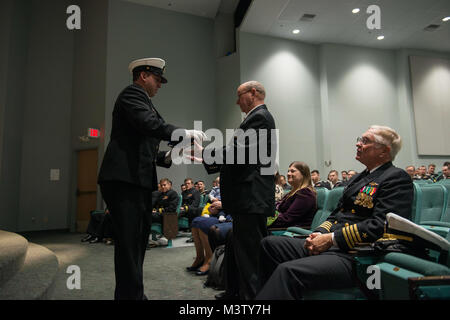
86	187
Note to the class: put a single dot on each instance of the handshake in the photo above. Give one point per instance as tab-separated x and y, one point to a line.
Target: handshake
190	148
195	135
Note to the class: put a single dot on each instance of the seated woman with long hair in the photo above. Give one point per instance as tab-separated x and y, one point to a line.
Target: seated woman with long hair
298	207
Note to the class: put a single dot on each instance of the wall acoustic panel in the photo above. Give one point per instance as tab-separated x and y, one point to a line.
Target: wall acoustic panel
430	80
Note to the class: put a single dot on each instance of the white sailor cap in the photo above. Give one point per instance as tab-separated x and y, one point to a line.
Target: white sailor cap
153	65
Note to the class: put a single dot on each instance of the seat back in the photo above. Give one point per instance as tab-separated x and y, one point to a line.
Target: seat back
423	181
180	201
431	199
322	196
415	210
446	215
203	200
333	198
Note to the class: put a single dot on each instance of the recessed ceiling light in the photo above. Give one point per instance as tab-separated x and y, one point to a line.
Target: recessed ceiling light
380	37
446	19
296	31
356	10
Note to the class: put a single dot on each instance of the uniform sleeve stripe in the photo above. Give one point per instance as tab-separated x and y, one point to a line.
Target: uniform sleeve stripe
326	225
352	234
344	232
357	232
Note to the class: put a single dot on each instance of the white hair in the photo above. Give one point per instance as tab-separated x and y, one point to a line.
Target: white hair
388	137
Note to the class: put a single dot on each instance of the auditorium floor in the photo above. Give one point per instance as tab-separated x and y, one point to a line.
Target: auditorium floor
165	277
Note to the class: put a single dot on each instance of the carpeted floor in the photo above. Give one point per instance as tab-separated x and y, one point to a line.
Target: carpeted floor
165	275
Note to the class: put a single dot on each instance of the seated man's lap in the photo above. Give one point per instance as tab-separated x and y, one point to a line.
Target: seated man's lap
327	268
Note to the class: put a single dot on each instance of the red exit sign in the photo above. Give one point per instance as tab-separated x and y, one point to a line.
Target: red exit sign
93	133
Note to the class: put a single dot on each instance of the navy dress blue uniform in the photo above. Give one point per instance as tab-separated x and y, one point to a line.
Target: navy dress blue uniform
248	196
165	202
127	179
286	267
190	203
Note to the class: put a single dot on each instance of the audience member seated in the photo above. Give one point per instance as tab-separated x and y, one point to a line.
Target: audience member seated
351	174
297	208
191	201
289	266
422	173
431	172
99	228
215	191
213	214
279	191
445	173
333	178
315	177
344	175
201	188
411	172
167	201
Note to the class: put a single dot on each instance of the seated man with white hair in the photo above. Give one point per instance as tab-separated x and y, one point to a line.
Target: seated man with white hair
289	266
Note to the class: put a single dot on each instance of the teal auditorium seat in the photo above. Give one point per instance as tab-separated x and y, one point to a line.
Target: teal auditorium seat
407	277
423	181
330	200
430	207
444	181
183	222
203	200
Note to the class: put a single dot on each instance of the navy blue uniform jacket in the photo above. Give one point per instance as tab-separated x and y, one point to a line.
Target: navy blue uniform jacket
133	151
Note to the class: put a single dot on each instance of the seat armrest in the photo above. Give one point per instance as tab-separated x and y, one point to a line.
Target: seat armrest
298	230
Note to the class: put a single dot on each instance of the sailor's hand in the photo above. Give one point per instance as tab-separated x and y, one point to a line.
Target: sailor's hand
197	135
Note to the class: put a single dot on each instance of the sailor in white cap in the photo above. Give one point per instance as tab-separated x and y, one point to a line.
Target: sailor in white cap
128	172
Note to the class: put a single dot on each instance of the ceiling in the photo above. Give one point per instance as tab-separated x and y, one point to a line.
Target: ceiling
402	22
202	8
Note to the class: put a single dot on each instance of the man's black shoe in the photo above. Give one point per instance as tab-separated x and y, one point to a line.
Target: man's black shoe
94	240
87	238
226	296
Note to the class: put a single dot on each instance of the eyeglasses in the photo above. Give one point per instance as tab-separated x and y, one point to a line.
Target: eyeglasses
363	140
